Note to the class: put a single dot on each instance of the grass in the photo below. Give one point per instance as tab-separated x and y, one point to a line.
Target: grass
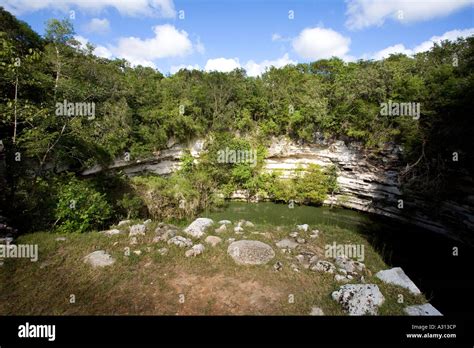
152	284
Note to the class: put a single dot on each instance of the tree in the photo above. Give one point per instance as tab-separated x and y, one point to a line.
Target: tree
58	33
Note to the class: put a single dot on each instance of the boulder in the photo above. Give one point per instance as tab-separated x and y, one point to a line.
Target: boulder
221	229
302	259
195	250
124	222
225	222
294	267
111	232
425	309
248	224
359	299
137	230
314	234
343	278
213	240
198	227
99	258
238	229
303	227
286	244
180	241
164	233
306	259
316	311
397	276
163	251
323	266
250	252
349	265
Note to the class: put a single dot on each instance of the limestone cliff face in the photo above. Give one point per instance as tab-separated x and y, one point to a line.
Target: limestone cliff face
370	182
367	182
362	181
163	162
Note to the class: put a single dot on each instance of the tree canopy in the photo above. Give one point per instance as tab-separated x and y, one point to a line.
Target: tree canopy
138	109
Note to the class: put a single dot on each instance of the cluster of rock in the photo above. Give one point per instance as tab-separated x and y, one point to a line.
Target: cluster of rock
343	268
364	299
355	299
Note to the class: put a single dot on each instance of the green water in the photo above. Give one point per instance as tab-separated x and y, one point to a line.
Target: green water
267	213
423	255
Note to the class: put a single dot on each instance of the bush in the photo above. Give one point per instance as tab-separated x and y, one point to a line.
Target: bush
284	190
187	163
168	198
312	185
132	205
80	207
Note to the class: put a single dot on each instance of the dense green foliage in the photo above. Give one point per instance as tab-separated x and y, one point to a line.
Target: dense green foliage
138	111
310	186
80	207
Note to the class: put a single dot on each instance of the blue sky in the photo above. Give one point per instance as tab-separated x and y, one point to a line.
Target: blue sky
222	35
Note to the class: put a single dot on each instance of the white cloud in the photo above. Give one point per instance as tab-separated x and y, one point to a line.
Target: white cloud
319	43
167	42
276	37
99	51
199	47
143	62
135	8
175	68
386	52
449	35
424	46
366	13
82	40
103	52
97	25
251	67
256	69
222	64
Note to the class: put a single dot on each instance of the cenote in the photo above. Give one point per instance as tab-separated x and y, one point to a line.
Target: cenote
425	256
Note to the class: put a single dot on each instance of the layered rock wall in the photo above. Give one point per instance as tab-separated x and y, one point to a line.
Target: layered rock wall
367	182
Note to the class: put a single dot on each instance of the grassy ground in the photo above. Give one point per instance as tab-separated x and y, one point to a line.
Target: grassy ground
172	284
